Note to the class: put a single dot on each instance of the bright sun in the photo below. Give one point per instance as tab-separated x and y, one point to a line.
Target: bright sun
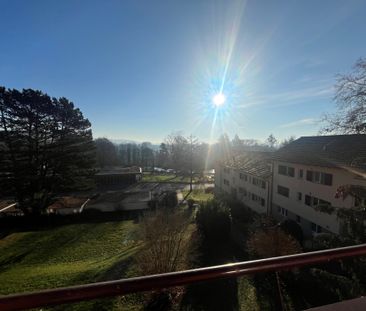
218	99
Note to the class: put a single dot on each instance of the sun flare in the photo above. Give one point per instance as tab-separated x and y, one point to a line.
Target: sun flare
218	99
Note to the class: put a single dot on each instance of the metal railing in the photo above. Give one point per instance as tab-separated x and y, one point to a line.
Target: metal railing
159	281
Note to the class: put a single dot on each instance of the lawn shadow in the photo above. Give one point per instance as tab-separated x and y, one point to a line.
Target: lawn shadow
213	295
14	224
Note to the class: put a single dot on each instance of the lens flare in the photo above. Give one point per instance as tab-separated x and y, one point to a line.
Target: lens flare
219	99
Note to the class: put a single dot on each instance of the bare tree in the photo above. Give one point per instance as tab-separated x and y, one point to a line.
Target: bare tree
350	98
166	239
287	141
271	141
177	146
273	242
164	234
237	145
225	147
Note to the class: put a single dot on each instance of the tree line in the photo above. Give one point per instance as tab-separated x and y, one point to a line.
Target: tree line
46	148
178	152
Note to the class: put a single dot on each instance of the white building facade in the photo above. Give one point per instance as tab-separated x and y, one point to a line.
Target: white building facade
301	177
298	189
248	178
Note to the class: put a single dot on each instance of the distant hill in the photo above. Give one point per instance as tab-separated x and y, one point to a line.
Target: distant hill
124	141
128	141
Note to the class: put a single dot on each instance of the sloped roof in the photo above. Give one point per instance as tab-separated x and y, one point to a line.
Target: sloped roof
252	162
329	151
68	202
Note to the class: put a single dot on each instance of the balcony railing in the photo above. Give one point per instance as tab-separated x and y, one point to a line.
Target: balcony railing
159	281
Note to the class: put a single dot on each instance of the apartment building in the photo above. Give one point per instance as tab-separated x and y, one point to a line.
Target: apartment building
248	178
310	172
307	173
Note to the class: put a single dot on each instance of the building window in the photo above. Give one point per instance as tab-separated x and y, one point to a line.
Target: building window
226	182
299	196
243	176
314	201
298	219
319	178
307	199
258	199
316	228
283	212
301	173
286	170
283	191
323	202
243	191
258	182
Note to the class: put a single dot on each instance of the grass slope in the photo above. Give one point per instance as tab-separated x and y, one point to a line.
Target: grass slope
198	195
66	255
147	177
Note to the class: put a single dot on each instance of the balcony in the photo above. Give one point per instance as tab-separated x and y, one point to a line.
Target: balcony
157	282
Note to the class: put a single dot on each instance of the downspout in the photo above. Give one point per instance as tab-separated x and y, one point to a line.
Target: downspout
270	191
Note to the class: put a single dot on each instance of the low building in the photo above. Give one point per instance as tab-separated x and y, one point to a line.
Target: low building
66	205
118	176
128	200
9	208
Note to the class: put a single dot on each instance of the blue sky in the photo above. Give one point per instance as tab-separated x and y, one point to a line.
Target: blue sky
142	69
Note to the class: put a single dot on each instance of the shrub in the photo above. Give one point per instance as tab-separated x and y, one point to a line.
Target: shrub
213	221
272	242
240	212
292	228
209	190
190	203
168	199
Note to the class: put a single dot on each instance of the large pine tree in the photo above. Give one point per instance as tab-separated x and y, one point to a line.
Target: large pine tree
47	148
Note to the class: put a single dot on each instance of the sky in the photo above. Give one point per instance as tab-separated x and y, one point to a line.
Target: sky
141	70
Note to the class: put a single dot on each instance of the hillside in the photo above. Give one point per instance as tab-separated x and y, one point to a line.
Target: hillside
66	255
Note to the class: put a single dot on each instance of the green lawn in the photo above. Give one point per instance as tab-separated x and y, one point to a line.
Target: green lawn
66	255
148	177
157	178
247	295
198	195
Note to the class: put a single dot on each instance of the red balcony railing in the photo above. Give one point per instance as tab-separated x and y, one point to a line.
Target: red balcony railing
159	281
